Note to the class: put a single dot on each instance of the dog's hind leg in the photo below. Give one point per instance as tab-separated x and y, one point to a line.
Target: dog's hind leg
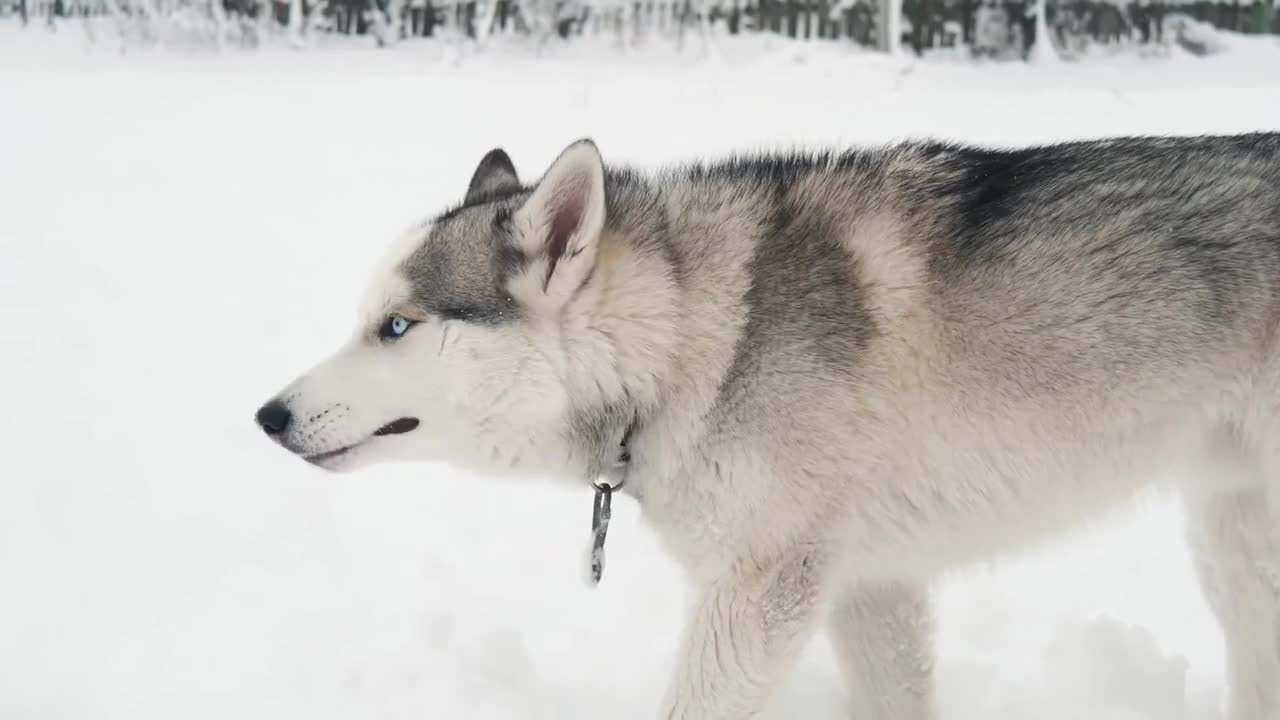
1235	541
883	638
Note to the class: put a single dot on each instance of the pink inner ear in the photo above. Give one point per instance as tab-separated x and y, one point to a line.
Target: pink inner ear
568	205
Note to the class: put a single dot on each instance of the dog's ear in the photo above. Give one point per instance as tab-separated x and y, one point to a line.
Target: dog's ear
561	221
494	174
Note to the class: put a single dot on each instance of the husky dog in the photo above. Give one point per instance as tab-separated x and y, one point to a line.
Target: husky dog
839	374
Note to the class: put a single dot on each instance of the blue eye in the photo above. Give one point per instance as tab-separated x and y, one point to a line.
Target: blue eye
394	327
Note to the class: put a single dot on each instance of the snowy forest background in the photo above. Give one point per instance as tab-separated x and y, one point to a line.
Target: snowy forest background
1004	29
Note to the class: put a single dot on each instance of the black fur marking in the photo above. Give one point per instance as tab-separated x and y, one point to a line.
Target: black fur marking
460	270
985	187
804	305
785	170
992	180
1178	221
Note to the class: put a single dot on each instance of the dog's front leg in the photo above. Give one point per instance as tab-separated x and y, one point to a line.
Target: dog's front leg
746	631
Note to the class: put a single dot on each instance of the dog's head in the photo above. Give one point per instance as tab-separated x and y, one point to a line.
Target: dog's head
463	351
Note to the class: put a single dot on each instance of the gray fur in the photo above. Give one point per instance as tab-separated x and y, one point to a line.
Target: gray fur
461	269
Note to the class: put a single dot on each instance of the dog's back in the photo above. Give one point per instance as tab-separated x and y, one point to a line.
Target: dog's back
980	320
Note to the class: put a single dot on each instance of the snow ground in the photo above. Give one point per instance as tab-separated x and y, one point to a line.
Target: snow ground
181	233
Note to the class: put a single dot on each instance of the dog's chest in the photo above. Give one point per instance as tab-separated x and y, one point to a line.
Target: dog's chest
702	520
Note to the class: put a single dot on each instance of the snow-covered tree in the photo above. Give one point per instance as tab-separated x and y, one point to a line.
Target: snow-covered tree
891	26
1042	50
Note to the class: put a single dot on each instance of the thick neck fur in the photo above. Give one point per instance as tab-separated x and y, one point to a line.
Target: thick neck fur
692	262
621	331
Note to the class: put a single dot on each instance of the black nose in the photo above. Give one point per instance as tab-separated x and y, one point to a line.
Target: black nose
274	417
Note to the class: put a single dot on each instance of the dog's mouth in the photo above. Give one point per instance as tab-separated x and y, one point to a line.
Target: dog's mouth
395	427
320	458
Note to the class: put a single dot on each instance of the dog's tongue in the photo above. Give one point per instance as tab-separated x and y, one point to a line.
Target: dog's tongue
396	427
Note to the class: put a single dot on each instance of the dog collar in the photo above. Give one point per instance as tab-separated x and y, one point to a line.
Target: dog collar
602	506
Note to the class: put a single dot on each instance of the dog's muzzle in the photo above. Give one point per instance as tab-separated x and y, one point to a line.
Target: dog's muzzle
275	419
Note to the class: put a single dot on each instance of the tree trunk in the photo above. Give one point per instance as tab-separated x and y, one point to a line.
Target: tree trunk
1042	51
295	22
219	15
917	13
891	26
264	20
486	21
